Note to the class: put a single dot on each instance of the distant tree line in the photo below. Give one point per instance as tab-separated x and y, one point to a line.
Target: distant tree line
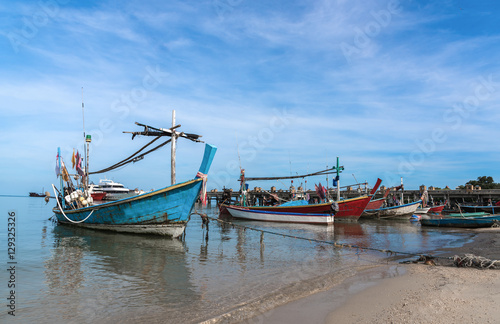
484	181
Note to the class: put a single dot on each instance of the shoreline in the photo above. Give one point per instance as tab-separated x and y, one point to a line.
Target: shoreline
408	293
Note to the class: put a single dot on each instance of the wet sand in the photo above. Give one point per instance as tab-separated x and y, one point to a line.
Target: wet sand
408	293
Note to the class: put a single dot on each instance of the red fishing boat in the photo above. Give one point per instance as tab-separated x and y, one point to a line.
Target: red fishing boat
98	195
345	209
436	209
348	209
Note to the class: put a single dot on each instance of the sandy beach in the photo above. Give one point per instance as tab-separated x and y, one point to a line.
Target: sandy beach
408	293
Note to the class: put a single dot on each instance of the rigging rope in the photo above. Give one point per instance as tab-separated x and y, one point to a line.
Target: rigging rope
336	244
327	171
133	156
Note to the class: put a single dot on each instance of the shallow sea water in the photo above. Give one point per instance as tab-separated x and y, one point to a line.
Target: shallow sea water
71	275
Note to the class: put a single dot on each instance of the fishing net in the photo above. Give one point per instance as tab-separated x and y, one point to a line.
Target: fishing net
474	261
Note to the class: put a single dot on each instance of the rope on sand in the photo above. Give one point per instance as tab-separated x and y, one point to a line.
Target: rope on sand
471	260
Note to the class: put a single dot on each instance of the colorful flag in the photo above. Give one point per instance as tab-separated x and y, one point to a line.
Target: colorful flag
79	164
73	159
64	172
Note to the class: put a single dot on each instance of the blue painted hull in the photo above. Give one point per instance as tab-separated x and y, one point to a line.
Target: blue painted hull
165	211
466	222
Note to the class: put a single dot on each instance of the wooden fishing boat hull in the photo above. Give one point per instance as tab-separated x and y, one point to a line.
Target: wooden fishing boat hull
487	209
301	209
401	211
349	209
371	209
477	214
463	222
436	209
98	195
281	217
422	210
162	212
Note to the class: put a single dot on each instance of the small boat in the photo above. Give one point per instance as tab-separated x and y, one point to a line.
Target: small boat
345	209
467	214
282	217
399	211
374	205
36	194
98	195
436	209
488	209
422	210
463	222
109	190
348	209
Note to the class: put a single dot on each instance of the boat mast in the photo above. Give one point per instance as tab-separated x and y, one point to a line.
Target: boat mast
85	149
60	175
172	155
338	180
402	201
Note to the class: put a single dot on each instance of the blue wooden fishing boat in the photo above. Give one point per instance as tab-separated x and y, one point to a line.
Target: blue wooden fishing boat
464	222
164	212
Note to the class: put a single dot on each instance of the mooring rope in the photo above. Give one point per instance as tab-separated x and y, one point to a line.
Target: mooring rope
469	260
335	244
62	211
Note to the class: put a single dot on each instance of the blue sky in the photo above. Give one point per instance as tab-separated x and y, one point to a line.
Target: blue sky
394	88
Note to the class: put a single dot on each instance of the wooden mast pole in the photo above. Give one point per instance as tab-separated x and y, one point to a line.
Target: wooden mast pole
402	198
174	137
338	180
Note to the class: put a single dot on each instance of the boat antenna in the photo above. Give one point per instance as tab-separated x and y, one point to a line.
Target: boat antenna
238	148
84	140
86	144
83	116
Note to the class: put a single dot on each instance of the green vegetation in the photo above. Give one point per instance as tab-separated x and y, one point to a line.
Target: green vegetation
485	183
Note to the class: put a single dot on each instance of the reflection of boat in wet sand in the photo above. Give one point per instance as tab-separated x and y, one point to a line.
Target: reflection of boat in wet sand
137	269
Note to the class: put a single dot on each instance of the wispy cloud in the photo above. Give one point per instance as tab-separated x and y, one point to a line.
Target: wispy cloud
371	82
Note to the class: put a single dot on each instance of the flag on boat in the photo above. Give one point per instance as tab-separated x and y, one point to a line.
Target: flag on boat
58	167
79	164
322	191
73	159
203	191
64	172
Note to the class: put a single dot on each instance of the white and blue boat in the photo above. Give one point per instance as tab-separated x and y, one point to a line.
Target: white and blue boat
250	213
399	211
